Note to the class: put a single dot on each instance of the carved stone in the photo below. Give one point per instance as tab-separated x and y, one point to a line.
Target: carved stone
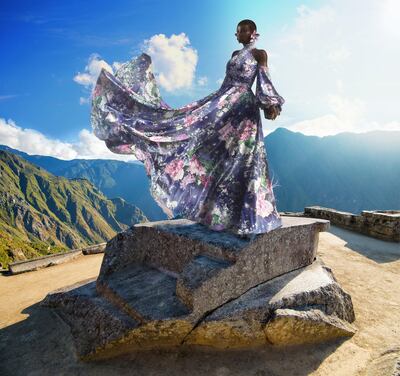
178	283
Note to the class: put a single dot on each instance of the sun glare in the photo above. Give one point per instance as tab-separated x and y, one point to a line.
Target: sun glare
391	17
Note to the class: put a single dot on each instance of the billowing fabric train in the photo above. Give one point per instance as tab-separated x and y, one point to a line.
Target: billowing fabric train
206	161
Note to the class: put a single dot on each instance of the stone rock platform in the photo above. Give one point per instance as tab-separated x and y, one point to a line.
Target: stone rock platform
177	283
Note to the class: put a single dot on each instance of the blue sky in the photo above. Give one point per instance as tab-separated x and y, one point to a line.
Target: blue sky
322	61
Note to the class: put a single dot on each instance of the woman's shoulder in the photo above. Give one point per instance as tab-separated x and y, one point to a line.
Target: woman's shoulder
260	55
235	52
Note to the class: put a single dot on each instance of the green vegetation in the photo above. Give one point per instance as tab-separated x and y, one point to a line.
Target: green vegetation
41	213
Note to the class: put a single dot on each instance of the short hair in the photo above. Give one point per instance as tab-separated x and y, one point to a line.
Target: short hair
250	23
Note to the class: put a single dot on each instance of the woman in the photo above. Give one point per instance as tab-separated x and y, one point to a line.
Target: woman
206	161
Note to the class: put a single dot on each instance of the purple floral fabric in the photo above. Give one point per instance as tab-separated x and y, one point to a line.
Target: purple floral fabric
206	161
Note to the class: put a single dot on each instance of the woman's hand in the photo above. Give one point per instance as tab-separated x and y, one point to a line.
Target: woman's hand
272	112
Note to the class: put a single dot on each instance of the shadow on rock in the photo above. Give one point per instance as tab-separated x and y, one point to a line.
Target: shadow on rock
42	345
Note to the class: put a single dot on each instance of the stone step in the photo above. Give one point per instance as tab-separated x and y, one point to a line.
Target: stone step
95	323
305	305
145	293
172	244
169	245
211	267
196	276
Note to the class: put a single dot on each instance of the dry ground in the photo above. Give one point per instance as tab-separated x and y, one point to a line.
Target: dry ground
34	341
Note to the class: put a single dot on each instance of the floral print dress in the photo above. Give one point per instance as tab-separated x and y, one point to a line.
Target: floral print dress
206	161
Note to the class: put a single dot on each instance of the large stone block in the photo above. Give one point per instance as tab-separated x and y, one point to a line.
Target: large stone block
212	267
177	283
302	306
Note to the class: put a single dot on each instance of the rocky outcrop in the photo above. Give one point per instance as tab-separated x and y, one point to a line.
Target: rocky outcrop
177	283
305	305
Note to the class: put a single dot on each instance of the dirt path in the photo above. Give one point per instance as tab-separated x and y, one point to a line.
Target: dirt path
13	289
34	341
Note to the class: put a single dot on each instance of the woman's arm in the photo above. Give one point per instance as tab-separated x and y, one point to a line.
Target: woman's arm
273	111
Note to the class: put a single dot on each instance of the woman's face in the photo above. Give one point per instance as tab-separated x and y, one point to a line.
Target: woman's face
243	33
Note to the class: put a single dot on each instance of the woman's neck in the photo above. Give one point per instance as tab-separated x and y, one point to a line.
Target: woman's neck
248	45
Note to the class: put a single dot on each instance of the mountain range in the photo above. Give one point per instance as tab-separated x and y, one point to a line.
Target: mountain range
41	213
113	178
347	171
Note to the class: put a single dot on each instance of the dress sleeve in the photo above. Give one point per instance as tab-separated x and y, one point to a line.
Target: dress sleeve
266	95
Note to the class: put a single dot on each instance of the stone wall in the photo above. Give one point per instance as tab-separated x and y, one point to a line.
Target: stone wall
54	259
381	224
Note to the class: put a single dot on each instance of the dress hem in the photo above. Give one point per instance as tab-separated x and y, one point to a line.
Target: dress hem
274	224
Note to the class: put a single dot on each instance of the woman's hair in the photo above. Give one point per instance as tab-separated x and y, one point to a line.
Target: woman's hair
250	23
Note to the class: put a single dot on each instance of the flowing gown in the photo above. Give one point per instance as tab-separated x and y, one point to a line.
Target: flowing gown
206	161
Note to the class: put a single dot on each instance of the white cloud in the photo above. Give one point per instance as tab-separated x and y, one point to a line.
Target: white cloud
173	63
92	71
202	81
174	60
350	110
329	125
347	115
336	66
90	147
31	141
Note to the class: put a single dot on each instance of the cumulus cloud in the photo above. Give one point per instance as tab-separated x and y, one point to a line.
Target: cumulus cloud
329	125
174	63
346	115
174	60
335	66
31	141
92	70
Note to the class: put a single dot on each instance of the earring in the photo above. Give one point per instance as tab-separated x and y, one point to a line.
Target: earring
254	36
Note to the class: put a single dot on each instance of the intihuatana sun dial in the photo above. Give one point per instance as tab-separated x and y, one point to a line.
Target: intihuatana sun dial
177	283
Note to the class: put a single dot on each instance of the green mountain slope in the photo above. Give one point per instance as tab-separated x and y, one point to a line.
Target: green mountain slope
41	213
114	178
347	171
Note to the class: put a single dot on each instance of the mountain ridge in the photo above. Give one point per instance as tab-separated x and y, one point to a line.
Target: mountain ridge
41	213
348	171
